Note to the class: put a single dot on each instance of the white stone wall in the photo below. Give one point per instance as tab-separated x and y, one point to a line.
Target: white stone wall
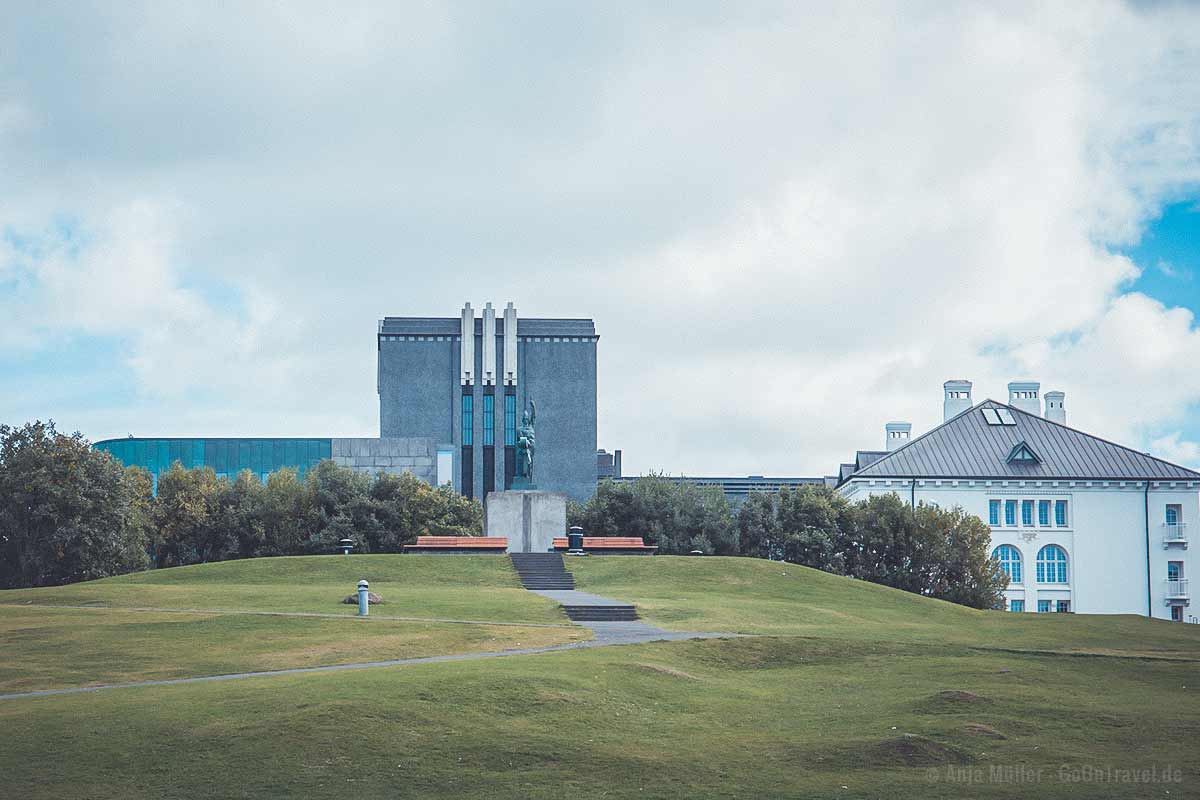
1105	538
417	455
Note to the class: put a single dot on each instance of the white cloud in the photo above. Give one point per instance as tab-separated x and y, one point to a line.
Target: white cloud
791	225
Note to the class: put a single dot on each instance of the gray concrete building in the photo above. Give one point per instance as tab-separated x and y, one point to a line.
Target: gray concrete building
463	382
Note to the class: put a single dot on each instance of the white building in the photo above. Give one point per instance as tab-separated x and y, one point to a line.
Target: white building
1078	522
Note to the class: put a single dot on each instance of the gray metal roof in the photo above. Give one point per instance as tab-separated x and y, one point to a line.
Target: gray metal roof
965	446
450	326
865	458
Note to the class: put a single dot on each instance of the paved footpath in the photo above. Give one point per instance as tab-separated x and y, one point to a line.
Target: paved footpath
607	634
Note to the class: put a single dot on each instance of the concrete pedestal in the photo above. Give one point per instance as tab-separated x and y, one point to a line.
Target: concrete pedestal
530	519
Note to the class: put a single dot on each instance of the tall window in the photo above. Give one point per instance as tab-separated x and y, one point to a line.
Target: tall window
1016	605
489	420
1010	512
1043	606
1052	564
1010	561
468	420
993	512
1044	513
510	420
1063	606
1174	570
1060	513
1027	513
1173	514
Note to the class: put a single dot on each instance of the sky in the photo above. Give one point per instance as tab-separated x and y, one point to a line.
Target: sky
790	222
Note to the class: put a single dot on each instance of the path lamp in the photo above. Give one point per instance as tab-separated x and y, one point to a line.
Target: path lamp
346	545
363	602
575	541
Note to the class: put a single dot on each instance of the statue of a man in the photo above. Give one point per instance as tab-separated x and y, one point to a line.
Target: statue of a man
526	443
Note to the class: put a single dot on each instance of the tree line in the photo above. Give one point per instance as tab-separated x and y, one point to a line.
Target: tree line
932	551
70	513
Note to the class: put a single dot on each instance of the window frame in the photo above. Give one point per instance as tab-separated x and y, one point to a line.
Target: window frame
1010	513
1009	557
1043	606
994	506
1062	520
1044	519
1060	566
468	419
489	420
1026	513
1017	605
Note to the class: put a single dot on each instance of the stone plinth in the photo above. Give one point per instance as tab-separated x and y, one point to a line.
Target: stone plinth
529	519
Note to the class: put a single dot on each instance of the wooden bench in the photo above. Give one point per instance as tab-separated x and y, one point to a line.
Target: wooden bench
611	545
458	544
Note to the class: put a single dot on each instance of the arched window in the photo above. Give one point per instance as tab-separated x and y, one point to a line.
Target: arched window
1010	561
1052	564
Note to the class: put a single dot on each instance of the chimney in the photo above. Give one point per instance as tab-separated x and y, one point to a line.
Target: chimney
1023	395
957	398
896	435
1055	410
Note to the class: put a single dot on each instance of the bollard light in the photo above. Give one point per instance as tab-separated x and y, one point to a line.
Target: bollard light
363	601
346	545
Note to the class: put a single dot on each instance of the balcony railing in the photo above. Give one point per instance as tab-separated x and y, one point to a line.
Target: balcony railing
1175	533
1177	590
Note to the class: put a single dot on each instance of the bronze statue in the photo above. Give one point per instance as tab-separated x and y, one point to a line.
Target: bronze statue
526	443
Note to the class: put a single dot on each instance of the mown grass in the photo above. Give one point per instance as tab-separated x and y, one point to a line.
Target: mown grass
53	648
775	717
859	691
745	595
430	587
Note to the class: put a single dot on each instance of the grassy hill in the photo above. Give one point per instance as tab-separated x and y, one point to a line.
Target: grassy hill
858	691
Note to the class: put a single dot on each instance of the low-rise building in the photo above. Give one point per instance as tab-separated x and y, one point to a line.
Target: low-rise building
1079	523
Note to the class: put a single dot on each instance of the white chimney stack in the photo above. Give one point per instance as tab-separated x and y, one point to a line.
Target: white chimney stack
897	434
957	398
1056	410
1024	395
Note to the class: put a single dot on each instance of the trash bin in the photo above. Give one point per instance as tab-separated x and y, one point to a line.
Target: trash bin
575	539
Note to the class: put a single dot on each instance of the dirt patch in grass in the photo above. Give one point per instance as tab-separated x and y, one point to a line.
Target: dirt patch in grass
911	750
659	669
951	701
979	729
905	750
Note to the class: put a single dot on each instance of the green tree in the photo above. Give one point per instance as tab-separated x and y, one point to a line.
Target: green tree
67	513
187	514
677	516
805	525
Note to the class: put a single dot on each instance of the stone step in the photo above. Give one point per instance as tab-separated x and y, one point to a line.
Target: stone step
601	613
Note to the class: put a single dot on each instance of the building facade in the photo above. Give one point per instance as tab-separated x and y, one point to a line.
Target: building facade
464	383
228	457
1078	523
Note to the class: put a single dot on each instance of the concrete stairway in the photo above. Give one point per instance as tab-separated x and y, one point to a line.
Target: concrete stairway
542	571
545	574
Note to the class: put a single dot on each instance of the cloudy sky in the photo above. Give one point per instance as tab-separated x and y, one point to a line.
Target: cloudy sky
790	224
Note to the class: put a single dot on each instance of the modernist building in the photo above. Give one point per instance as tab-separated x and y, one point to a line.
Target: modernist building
451	394
1078	523
465	382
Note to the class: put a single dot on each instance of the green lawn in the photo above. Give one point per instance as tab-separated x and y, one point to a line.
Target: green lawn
425	586
860	692
745	595
54	648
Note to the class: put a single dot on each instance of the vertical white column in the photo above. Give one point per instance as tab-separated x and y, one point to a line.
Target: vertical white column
488	378
467	352
510	345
